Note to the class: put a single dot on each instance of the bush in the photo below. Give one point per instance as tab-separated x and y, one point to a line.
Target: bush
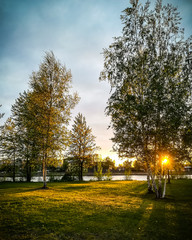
68	177
108	175
99	173
127	174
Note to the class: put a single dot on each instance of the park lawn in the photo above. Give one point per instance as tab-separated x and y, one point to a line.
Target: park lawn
95	210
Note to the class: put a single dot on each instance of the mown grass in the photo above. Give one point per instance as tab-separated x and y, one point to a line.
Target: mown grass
94	210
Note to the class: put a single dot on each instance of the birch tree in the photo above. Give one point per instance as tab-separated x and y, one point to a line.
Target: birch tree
50	107
150	83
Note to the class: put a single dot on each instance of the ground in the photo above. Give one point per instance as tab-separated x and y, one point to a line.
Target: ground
94	210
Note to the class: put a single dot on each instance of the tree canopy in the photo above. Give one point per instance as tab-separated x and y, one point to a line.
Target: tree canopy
150	80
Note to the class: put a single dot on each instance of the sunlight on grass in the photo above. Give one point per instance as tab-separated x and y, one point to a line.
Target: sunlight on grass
91	210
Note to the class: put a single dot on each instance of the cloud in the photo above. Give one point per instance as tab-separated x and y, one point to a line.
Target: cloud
76	31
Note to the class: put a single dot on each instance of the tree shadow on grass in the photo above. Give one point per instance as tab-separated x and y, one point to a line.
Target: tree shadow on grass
100	222
167	221
95	219
35	189
78	187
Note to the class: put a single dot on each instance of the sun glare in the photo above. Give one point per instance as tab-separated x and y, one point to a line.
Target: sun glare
165	160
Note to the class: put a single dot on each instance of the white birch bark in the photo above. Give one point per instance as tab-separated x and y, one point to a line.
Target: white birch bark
164	188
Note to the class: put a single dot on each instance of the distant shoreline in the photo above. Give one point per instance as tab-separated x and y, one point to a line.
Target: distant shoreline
39	174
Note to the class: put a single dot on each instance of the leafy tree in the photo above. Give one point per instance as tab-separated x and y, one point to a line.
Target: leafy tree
127	165
9	145
138	165
108	164
83	145
50	109
149	77
27	137
70	168
99	172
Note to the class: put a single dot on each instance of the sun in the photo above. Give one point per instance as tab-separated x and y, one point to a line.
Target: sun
165	161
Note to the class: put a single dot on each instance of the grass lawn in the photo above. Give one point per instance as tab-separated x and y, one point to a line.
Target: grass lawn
95	210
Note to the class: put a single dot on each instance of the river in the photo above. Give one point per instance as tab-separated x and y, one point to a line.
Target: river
90	178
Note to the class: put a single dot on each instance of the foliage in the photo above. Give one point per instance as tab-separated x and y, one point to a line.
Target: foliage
50	105
9	146
128	174
151	87
83	145
99	172
1	114
139	165
37	132
108	164
71	169
127	164
108	175
178	169
68	177
27	138
94	210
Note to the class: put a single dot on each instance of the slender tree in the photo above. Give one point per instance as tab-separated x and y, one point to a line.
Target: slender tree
50	108
83	145
150	85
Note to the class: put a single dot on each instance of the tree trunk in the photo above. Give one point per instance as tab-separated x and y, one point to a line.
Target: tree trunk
164	189
149	183
28	171
44	173
159	186
81	171
14	167
29	174
153	183
169	180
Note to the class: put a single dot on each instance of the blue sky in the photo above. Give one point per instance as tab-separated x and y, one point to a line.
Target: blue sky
76	31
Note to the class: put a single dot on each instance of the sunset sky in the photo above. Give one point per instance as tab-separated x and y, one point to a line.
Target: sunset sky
76	31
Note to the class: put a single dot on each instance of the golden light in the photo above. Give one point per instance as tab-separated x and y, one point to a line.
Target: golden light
112	155
165	161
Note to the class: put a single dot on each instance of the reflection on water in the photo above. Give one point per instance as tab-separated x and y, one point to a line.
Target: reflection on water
90	178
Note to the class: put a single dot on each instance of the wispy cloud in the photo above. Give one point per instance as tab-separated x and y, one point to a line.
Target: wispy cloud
76	31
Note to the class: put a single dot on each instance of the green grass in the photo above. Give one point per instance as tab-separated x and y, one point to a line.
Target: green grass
94	210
